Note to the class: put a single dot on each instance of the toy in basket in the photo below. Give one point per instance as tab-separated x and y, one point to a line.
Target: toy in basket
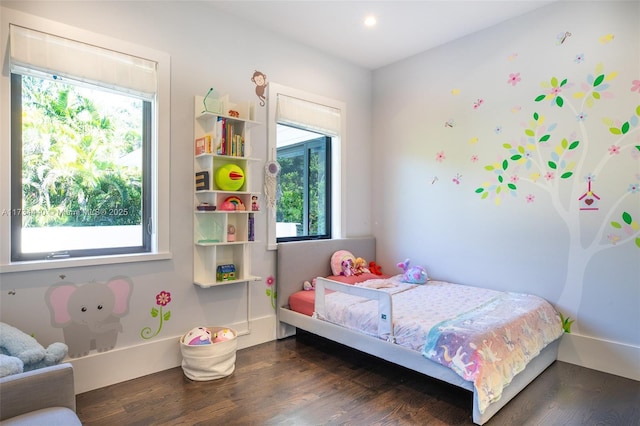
212	355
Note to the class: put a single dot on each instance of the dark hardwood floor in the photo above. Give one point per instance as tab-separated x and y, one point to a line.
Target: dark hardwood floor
307	380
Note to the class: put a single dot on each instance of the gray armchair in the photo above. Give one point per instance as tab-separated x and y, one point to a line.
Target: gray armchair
45	396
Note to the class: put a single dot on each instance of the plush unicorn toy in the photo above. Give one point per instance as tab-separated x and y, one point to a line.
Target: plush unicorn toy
198	336
413	274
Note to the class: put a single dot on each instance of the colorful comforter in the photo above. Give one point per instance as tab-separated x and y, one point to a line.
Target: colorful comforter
485	336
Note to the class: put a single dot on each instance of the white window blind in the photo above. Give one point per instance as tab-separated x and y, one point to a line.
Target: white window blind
308	115
58	56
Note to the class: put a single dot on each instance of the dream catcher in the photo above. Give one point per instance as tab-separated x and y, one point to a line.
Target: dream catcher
271	173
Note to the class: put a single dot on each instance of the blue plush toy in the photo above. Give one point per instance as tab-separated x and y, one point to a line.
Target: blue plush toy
20	352
413	274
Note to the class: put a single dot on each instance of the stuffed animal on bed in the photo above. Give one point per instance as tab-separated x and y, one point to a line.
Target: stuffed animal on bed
198	336
347	268
375	268
412	274
309	285
342	263
21	352
360	266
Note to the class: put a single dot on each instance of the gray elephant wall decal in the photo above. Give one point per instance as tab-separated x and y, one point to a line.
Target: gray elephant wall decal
89	314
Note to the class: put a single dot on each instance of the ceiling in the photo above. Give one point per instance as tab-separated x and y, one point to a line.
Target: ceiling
404	28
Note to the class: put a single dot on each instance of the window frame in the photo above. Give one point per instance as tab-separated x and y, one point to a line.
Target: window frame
305	148
338	152
159	225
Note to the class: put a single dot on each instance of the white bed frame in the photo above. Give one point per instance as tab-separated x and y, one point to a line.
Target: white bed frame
301	261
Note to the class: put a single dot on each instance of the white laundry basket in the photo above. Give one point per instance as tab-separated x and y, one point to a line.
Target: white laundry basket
209	362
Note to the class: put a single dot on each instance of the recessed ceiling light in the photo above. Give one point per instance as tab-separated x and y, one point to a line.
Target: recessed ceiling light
370	21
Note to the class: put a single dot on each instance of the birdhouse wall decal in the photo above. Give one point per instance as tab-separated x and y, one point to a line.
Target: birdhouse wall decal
589	200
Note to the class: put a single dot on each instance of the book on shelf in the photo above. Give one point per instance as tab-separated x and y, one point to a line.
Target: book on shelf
202	180
251	234
204	145
221	124
228	141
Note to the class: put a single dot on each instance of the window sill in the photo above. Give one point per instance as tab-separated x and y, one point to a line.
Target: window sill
38	265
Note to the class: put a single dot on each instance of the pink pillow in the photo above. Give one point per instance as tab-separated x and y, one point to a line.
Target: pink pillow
337	258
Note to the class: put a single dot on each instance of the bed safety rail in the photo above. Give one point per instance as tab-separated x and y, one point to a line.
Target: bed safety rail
385	308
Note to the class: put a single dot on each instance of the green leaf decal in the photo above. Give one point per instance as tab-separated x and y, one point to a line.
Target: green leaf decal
638	110
625	128
595	95
552	165
479	190
627	218
505	164
554	81
511	186
540	98
530	133
559	101
544	138
564	143
485	195
506	145
616	225
154	312
638	147
598	80
566	175
615	130
536	116
638	242
574	144
500	179
516	157
489	168
498	190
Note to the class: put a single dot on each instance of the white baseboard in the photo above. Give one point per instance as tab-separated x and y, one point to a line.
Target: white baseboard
118	365
602	355
107	368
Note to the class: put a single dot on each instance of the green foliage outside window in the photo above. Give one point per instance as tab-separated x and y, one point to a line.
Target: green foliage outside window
74	145
302	174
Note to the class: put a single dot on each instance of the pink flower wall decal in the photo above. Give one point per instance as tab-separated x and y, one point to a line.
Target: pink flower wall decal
514	78
162	299
271	291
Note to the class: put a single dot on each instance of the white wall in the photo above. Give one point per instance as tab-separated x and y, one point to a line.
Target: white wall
548	246
207	49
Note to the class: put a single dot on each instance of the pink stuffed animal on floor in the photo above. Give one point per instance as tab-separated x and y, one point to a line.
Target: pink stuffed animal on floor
223	335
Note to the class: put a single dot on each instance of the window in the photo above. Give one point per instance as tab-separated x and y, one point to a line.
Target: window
306	139
304	203
89	134
80	182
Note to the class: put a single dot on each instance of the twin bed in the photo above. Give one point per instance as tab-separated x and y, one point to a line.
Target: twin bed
462	335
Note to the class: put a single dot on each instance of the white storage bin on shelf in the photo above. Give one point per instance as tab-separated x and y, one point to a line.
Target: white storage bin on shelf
212	361
223	198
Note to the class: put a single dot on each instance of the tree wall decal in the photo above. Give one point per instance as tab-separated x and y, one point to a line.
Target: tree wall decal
555	164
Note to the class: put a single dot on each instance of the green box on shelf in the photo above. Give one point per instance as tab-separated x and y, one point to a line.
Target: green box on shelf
226	272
